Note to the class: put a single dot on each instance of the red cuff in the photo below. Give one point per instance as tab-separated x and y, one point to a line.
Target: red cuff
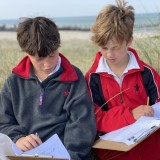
129	116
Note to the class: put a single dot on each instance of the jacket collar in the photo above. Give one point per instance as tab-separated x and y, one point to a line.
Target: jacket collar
24	67
99	55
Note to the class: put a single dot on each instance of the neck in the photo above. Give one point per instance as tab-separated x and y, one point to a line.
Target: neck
41	76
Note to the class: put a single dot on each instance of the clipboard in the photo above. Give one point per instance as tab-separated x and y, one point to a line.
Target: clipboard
32	158
111	145
119	146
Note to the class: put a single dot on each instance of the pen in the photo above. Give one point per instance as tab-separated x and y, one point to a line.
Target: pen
37	134
148	101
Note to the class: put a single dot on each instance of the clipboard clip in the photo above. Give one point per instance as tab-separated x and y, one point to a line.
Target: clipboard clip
131	138
36	156
143	135
44	156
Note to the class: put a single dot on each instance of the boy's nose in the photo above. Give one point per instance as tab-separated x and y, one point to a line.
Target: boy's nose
109	52
46	61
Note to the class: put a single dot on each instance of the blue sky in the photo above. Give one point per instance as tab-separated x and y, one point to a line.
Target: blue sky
10	9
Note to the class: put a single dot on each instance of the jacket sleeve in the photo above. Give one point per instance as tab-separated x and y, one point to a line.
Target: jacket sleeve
8	122
151	81
112	119
107	119
80	130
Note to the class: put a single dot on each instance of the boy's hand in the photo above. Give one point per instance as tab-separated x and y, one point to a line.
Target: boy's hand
142	110
29	142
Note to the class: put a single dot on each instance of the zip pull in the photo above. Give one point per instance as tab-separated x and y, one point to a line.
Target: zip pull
41	97
121	99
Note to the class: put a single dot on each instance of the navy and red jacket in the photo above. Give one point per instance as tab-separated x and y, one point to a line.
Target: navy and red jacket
114	103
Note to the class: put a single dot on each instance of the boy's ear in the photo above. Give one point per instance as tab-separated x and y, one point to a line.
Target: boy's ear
130	41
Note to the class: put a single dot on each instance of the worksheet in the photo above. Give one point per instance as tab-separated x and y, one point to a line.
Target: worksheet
137	131
53	147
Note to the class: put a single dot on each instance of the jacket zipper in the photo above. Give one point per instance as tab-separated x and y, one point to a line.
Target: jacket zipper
121	99
41	97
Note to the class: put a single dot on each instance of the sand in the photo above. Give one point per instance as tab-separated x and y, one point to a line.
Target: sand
65	35
7	35
72	35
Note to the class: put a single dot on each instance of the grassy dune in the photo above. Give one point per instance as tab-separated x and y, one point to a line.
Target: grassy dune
78	48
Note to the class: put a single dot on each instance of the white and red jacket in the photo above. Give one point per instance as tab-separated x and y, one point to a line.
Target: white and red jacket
114	103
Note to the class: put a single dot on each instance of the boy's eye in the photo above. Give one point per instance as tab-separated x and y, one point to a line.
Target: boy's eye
52	55
104	47
39	58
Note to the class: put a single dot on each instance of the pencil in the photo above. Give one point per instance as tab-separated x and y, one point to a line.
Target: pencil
147	101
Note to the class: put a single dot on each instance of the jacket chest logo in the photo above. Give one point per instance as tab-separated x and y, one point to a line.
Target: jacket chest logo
66	93
137	87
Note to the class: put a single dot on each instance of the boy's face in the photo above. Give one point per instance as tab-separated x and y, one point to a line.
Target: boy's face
44	65
115	53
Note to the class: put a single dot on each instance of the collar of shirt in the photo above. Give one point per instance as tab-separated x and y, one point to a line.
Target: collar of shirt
103	67
57	66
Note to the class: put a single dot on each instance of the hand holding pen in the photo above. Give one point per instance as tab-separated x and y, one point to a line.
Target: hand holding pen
143	110
29	142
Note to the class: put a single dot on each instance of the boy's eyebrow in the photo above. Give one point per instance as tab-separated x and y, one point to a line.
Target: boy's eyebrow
115	46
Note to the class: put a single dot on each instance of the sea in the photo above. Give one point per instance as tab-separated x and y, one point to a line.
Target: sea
146	20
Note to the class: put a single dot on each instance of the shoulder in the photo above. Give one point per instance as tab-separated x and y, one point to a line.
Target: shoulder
11	77
9	83
150	76
149	71
78	71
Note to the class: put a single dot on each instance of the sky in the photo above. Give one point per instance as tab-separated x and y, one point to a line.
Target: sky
13	9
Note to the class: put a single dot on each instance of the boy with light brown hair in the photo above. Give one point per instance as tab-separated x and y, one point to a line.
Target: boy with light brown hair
120	83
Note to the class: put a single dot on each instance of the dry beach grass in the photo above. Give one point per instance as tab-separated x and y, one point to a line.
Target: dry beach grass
78	48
